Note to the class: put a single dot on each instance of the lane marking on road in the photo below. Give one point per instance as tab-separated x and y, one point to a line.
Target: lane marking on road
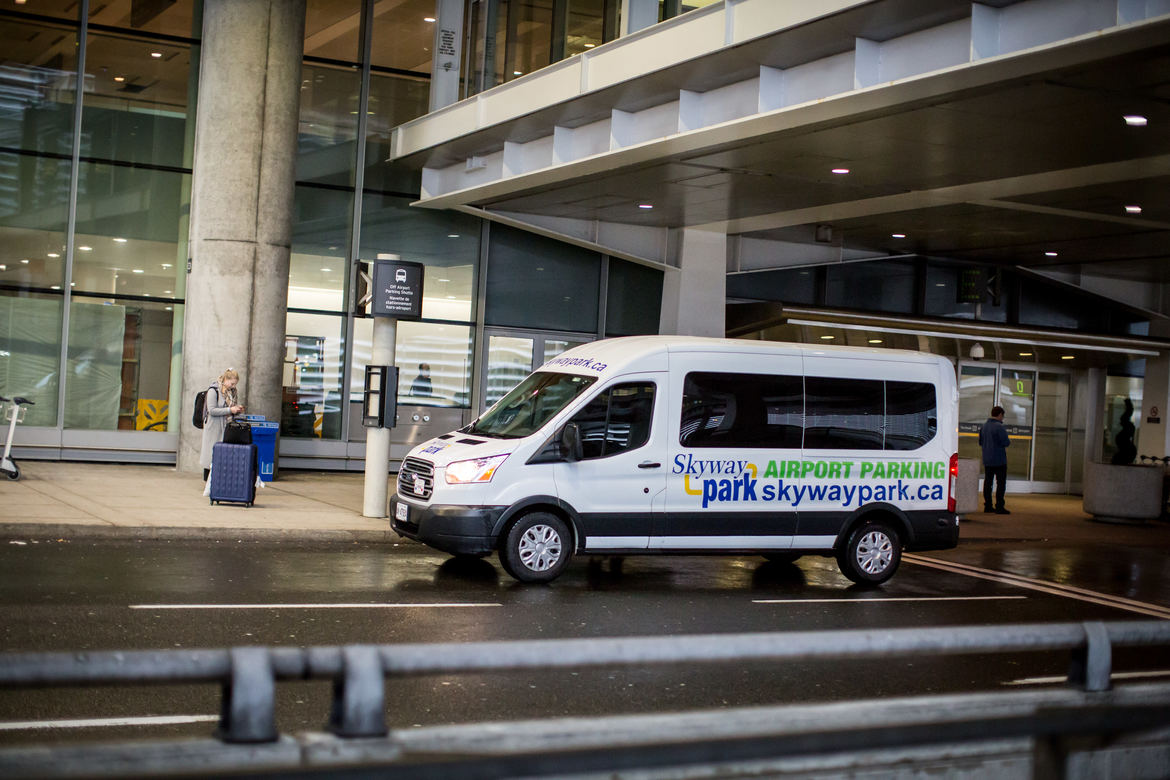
1042	586
864	600
91	723
356	605
1064	679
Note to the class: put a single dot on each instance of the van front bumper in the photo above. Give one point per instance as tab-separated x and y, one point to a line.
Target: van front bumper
452	528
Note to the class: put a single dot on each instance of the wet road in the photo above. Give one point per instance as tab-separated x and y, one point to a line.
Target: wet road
61	595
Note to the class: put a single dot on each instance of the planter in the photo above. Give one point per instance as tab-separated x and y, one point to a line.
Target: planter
1128	494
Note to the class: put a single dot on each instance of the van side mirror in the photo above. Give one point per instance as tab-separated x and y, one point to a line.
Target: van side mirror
571	443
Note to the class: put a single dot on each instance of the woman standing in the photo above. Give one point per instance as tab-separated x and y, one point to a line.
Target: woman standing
220	405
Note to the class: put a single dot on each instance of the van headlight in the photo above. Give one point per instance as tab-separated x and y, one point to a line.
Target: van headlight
463	472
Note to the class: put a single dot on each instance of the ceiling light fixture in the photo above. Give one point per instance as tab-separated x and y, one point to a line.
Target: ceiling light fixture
156	54
166	265
897	235
1025	354
326	270
645	205
3	267
53	254
840	171
1133	209
1135	120
1051	254
828	338
875	341
590	45
24	262
119	79
429	19
119	241
55	287
452	235
85	248
139	271
517	73
1068	357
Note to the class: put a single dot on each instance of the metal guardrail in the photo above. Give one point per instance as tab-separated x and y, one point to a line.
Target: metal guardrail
249	674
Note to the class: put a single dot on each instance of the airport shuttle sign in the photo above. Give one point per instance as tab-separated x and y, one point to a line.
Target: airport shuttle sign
398	290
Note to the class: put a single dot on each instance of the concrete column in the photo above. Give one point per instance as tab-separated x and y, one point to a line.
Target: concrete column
242	200
448	49
694	300
638	14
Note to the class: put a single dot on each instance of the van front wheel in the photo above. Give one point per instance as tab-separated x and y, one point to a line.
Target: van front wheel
537	548
871	554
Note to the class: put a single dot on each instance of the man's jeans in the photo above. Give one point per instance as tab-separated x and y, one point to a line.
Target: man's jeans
999	473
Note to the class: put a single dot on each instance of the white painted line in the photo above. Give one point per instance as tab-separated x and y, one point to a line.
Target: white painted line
871	600
1114	676
92	723
1041	586
313	606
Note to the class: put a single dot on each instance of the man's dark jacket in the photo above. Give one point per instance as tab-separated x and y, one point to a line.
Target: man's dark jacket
993	438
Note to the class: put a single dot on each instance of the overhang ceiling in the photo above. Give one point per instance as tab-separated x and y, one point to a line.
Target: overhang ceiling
1032	168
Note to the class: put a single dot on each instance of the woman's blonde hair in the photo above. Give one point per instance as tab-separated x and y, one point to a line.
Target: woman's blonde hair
228	392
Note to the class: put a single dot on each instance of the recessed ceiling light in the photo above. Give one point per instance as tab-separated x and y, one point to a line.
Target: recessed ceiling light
1135	120
326	270
452	235
119	79
85	248
1068	357
73	284
24	262
444	280
170	308
168	292
156	54
828	338
1025	354
53	254
897	235
119	241
940	284
1051	254
1133	209
3	267
450	297
875	341
428	19
139	271
166	265
645	205
840	171
590	45
517	73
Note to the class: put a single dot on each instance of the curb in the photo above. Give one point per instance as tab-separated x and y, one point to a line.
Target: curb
9	531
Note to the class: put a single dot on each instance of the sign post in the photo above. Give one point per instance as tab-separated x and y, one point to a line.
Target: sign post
396	293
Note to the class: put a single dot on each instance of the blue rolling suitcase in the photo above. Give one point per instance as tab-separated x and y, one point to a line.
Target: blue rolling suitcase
233	473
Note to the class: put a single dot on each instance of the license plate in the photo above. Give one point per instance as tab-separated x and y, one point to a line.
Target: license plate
401	512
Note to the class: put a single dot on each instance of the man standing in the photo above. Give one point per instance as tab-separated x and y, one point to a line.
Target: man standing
993	438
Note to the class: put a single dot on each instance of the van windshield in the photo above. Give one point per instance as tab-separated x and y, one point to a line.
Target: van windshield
530	405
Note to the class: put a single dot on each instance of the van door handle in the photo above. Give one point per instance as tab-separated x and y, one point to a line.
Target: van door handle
648	465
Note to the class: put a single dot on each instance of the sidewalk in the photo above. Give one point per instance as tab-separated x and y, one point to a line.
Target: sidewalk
96	500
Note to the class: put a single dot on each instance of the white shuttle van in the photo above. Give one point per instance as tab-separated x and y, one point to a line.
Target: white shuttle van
670	444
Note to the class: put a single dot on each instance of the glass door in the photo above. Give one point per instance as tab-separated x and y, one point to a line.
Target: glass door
513	355
1036	414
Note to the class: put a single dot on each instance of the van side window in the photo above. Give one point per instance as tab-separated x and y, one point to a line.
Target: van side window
616	421
911	415
741	410
843	414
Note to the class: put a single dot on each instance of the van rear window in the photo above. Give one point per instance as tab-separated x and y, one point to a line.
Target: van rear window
790	412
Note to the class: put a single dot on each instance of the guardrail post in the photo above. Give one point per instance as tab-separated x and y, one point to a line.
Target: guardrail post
359	694
1092	664
248	709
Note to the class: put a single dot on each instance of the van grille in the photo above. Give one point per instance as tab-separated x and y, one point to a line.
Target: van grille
416	478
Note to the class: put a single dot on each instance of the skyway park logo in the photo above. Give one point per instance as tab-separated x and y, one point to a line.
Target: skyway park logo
847	483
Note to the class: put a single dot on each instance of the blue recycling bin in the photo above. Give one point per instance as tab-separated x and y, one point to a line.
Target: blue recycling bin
264	436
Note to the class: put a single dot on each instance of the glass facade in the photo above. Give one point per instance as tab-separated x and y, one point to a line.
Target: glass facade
93	208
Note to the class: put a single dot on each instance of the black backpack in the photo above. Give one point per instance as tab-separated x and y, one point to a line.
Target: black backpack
200	410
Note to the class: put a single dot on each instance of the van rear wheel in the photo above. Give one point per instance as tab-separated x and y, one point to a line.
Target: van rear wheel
871	554
537	548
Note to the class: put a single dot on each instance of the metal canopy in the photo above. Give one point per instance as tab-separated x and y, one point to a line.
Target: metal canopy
1019	158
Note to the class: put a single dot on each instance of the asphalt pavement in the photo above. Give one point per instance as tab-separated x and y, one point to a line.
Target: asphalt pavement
102	500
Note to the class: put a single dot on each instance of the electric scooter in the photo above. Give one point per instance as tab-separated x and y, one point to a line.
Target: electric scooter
15	414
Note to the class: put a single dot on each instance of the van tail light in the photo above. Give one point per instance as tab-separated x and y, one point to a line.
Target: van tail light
952	504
